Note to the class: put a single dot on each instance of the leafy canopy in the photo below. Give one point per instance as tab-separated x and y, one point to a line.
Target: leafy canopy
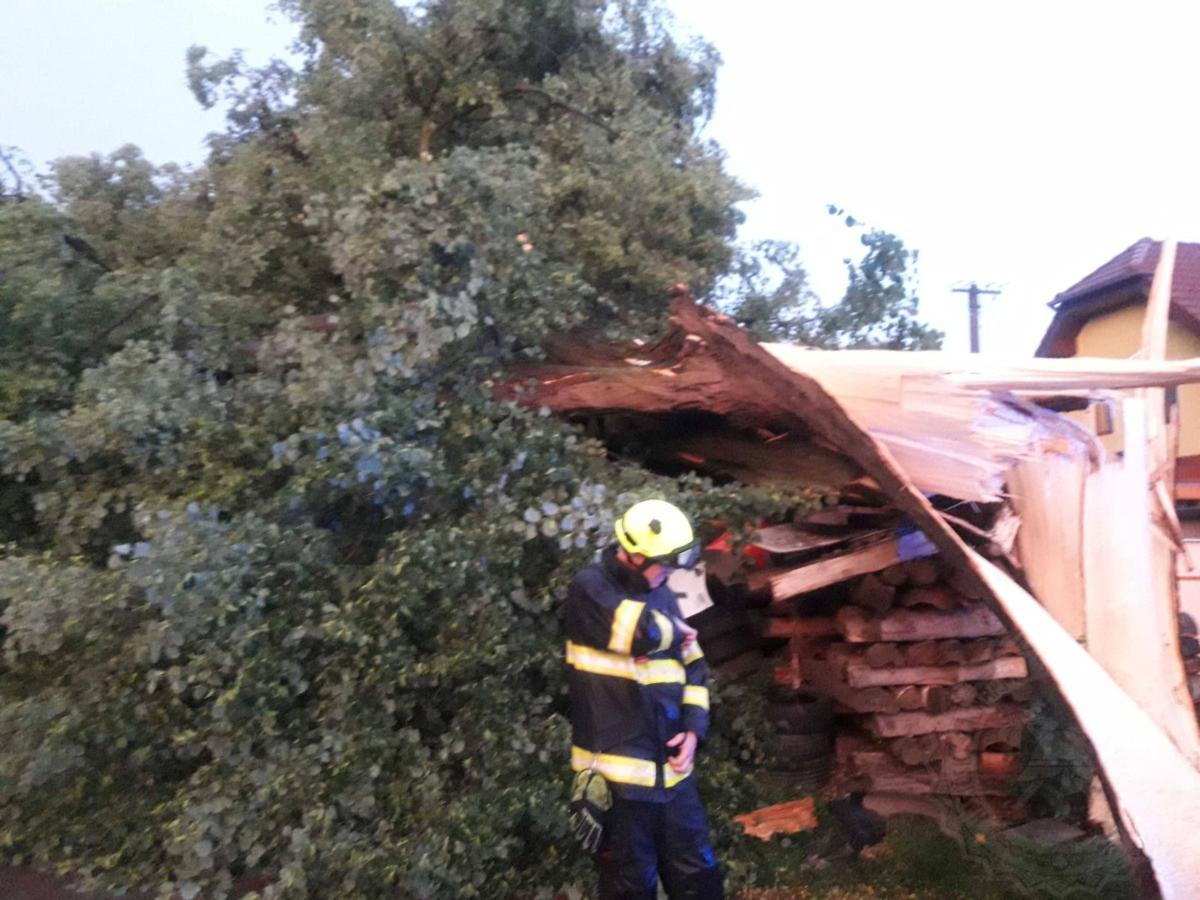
281	577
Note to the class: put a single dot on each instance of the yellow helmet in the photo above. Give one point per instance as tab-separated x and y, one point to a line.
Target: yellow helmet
659	531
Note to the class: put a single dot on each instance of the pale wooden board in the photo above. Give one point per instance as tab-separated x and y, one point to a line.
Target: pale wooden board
1048	495
1130	600
860	675
918	624
784	584
972	718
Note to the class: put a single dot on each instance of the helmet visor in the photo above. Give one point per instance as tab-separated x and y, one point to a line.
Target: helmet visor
684	558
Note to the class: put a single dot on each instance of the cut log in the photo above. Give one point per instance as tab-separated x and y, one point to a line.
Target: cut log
1008	646
916	751
951	653
966	585
826	680
922	653
895	575
918	625
954	767
879	656
1018	690
922	572
783	584
859	674
979	650
999	764
800	627
871	593
963	694
936	698
939	596
931	698
1003	738
976	718
957	744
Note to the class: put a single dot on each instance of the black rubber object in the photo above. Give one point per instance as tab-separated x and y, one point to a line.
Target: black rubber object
800	713
726	646
796	750
814	775
811	775
716	621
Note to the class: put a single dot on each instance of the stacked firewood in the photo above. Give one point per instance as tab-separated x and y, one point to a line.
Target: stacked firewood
930	688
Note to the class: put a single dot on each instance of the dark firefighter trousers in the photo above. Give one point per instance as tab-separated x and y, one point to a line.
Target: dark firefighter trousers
645	841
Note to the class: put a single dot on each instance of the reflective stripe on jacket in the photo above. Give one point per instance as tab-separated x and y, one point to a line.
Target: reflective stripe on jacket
632	686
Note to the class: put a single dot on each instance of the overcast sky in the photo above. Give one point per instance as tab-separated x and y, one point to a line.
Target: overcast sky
1016	143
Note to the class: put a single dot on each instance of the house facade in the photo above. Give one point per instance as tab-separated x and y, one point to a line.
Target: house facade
1102	314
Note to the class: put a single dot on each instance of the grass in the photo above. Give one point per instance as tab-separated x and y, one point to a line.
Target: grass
918	862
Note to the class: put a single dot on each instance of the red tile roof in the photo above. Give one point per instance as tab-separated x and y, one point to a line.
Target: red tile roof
1132	268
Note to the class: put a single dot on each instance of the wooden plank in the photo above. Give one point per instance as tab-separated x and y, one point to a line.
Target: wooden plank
800	627
974	718
918	625
783	584
859	674
826	679
1048	495
1131	607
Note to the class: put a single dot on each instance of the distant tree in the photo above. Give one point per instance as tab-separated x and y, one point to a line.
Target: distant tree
880	306
768	293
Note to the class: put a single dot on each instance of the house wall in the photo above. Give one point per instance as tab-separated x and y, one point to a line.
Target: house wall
1118	334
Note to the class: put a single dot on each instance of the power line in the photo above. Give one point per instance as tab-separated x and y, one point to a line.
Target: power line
974	292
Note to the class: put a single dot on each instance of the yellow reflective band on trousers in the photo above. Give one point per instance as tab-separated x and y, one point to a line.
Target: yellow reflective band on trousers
625	769
692	653
598	662
624	625
696	695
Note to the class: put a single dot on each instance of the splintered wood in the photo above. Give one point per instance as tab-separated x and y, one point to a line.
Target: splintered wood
782	818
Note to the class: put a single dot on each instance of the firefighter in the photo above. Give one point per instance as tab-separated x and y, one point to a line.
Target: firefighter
639	708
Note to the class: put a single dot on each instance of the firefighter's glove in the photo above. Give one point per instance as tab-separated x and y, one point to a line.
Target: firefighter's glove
590	803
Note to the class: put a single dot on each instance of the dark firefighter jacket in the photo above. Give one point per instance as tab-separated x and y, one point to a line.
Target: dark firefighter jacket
632	686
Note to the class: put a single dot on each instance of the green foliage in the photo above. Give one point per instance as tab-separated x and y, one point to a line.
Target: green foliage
1057	762
880	305
768	294
280	583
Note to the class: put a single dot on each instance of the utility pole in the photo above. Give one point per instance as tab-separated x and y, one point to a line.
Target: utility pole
974	292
